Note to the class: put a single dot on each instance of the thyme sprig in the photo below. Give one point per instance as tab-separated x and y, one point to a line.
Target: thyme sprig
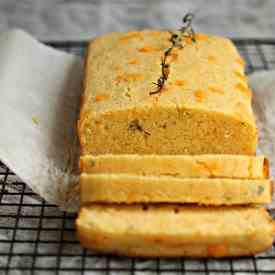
186	31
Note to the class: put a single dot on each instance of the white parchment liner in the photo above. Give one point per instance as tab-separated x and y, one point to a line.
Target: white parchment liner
39	100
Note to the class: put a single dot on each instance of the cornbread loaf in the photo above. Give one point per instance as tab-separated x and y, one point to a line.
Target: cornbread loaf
203	108
171	231
125	188
199	166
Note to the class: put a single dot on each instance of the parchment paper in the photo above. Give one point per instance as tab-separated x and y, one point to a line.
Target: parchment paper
263	86
39	99
40	89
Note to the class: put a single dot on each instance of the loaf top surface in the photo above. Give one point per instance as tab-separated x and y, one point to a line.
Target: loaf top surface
207	74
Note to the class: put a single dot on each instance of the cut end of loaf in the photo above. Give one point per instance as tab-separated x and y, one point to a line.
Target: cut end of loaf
156	131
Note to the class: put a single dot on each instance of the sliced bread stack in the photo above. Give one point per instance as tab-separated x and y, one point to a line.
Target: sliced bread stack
201	179
170	171
125	224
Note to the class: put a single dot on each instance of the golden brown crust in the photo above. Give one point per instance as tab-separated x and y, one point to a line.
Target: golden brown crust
266	168
123	66
188	251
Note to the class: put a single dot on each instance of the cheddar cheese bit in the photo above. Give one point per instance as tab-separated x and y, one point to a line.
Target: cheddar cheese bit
131	35
201	37
200	95
129	77
148	49
101	97
180	82
188	40
216	90
173	57
133	62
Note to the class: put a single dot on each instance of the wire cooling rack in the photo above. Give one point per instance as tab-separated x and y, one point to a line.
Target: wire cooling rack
37	238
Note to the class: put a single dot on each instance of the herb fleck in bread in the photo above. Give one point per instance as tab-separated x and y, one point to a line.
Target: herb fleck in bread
171	231
125	188
204	107
196	166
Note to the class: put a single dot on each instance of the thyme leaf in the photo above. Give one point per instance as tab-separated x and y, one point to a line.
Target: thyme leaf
186	31
135	126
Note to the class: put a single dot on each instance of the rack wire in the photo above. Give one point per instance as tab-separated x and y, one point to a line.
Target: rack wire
38	238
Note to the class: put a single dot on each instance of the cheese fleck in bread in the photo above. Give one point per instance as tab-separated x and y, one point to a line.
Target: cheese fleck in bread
171	231
197	166
125	188
204	107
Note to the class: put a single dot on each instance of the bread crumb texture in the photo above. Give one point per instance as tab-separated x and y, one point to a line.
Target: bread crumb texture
199	104
125	188
169	231
199	166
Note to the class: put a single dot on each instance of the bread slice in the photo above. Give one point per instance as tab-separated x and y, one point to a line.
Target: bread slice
203	108
172	231
197	166
125	188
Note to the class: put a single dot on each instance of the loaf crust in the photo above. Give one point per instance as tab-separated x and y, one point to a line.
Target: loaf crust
204	108
172	231
199	166
125	188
